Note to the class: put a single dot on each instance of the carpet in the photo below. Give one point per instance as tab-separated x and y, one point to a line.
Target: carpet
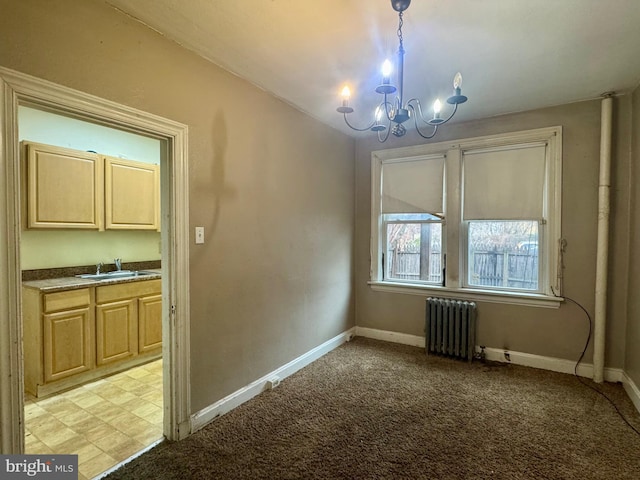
376	410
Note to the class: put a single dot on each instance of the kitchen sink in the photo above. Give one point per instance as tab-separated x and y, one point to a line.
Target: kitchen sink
115	274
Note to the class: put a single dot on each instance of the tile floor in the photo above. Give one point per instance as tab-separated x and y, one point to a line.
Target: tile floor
103	422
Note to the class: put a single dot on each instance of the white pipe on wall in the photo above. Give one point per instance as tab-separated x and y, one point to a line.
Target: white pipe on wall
602	252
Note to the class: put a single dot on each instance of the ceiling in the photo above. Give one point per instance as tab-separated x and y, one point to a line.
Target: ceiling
514	55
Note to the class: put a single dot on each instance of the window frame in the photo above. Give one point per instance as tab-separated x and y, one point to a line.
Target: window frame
455	230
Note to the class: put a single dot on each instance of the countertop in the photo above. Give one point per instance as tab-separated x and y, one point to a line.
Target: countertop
72	283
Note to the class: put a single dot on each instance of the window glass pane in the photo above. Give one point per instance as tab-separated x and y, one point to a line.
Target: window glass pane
414	252
503	254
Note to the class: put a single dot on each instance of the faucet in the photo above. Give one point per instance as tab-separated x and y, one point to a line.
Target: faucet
118	262
98	267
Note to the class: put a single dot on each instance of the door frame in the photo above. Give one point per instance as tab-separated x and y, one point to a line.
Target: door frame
20	89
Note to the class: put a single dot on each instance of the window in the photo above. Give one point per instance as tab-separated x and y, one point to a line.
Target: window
498	258
413	248
412	198
479	216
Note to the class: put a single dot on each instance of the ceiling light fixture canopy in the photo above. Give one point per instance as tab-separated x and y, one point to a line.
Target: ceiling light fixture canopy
397	111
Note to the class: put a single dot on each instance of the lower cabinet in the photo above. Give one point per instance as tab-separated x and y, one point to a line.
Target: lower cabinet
149	323
116	331
79	335
67	338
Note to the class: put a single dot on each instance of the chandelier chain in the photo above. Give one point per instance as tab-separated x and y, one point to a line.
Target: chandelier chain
400	23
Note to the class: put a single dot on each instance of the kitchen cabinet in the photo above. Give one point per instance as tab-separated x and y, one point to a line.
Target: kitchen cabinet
116	331
69	188
149	323
58	329
65	188
119	323
81	334
132	195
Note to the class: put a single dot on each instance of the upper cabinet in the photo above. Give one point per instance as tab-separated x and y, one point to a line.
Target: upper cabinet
131	195
64	188
69	188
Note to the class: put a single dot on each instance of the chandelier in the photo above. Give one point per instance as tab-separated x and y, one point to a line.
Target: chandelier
397	111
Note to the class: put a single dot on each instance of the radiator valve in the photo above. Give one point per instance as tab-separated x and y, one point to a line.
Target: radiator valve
481	355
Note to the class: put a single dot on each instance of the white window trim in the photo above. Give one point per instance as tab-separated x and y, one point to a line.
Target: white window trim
550	273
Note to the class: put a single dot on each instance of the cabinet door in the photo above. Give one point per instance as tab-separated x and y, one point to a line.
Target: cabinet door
150	323
116	331
65	188
132	195
67	343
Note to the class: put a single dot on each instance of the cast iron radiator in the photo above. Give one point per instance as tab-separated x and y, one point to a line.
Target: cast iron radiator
450	328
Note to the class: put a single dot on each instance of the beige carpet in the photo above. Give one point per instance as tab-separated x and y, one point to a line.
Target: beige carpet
374	410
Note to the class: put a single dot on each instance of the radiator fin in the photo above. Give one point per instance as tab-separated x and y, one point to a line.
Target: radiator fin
450	328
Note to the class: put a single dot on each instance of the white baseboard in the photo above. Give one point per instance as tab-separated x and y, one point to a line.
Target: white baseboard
387	336
550	363
237	398
632	390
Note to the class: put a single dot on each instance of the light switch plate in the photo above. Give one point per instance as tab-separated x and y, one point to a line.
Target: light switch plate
199	235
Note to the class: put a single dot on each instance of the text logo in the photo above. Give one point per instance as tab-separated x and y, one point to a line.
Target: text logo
51	467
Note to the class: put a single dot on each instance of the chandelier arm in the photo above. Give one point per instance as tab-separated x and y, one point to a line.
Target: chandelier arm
386	135
356	128
433	134
415	121
388	108
455	109
419	111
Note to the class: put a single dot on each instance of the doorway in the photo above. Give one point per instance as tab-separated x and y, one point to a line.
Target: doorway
101	399
22	90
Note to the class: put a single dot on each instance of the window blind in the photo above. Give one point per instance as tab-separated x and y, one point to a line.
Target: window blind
504	183
413	186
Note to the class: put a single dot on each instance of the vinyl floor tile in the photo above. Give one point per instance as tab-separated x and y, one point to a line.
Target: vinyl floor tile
103	422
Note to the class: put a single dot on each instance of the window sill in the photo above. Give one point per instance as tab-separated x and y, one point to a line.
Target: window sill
512	298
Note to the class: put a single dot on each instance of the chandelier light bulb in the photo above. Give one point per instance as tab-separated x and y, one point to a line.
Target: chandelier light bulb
437	106
387	68
457	81
345	108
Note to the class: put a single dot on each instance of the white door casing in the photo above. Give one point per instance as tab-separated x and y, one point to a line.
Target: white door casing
20	89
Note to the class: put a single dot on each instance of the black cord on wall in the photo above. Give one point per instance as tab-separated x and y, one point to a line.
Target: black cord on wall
592	387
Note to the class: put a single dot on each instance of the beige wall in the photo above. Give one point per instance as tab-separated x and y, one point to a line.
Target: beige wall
632	360
272	187
549	332
274	190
